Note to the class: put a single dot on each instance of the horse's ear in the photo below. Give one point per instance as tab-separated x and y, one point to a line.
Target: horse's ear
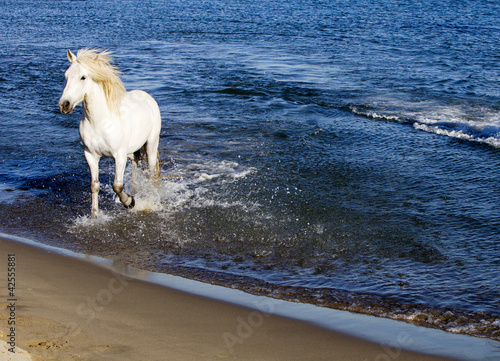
71	56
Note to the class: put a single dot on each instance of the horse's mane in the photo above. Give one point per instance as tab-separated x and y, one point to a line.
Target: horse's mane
98	63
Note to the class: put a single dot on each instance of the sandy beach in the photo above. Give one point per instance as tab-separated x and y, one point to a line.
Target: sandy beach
70	309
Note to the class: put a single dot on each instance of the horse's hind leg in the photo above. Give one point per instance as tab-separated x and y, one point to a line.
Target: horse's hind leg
134	158
127	200
153	158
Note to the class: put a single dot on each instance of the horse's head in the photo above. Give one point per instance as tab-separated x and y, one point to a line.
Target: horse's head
77	85
88	69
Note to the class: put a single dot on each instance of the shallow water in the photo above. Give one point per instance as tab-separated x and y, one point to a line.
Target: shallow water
345	156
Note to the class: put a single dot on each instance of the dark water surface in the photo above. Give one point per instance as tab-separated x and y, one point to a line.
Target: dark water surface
343	154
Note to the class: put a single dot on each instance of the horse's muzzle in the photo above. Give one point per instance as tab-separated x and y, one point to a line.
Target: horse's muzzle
65	107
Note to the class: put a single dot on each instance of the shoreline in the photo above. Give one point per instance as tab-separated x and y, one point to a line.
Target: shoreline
70	308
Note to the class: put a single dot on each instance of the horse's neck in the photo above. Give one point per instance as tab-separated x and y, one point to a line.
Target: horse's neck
96	108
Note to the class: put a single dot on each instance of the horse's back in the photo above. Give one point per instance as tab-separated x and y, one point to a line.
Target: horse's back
140	115
144	102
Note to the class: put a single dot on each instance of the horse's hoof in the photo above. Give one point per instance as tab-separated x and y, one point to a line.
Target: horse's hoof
132	203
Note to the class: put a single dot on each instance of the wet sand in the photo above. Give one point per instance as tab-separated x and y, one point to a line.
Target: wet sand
71	309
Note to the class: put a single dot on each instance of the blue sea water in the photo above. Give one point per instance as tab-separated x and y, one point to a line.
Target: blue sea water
339	153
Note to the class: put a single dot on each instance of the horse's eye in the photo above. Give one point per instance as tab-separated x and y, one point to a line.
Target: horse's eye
83	77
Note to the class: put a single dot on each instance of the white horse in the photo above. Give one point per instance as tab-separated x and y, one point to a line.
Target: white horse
116	123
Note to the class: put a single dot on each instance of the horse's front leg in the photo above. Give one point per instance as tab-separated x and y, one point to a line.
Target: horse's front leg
93	162
127	200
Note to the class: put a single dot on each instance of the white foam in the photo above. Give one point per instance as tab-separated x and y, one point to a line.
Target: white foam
101	219
463	121
147	204
191	185
374	115
226	171
460	134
